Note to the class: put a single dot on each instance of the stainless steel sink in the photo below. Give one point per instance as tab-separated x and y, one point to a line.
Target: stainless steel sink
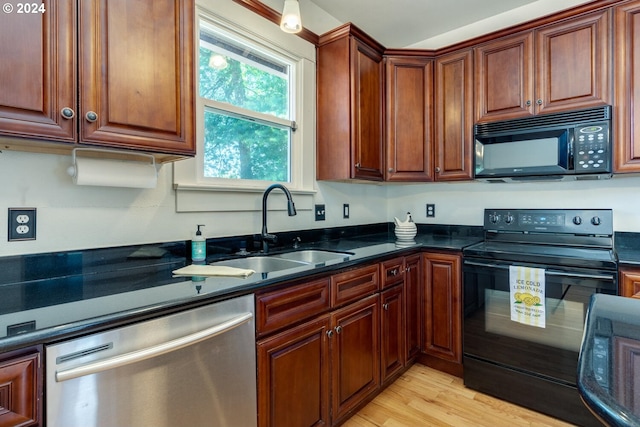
262	264
314	256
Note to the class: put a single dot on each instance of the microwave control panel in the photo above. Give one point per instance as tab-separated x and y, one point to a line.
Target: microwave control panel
591	151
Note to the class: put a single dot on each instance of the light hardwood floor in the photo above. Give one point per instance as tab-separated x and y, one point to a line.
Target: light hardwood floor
424	397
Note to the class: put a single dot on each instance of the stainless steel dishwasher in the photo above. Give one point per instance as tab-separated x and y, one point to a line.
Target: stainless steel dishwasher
195	368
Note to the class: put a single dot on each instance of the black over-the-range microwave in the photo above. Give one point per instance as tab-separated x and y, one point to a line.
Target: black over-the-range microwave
561	146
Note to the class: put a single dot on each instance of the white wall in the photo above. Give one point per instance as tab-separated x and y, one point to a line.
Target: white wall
73	217
78	217
463	203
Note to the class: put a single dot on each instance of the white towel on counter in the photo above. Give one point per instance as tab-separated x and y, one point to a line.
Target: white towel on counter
212	270
527	289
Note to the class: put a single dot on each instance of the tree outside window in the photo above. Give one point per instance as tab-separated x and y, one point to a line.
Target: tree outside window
247	119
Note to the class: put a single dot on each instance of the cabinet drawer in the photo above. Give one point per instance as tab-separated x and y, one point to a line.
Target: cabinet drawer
354	284
283	307
392	272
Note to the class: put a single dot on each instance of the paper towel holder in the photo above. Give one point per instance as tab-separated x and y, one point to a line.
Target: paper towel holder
142	162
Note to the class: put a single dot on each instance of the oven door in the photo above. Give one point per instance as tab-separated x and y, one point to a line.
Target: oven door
550	352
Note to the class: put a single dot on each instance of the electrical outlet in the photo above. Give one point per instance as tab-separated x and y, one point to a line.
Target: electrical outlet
22	224
431	210
345	210
320	213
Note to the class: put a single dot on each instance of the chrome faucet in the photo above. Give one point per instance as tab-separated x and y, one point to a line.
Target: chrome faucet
291	209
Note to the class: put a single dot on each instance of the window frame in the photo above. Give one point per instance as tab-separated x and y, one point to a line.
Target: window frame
203	104
189	174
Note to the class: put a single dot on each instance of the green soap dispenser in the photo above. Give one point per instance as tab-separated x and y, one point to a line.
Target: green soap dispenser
198	247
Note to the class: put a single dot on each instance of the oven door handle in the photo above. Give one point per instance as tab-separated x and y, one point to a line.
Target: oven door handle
609	277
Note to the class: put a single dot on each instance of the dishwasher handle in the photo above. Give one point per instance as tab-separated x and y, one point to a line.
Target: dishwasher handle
157	350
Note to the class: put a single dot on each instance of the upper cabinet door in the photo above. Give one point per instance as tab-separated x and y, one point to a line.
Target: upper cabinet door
136	74
349	121
558	67
627	86
573	63
454	116
367	113
504	87
409	117
37	72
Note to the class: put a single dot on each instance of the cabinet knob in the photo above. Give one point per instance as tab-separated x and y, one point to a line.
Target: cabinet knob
386	306
393	272
357	165
67	113
338	329
437	169
539	102
91	116
330	333
528	103
391	170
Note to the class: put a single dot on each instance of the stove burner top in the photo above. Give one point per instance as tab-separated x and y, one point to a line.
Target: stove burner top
544	254
563	237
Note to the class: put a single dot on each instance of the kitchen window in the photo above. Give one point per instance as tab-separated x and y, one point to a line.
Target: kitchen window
246	93
255	114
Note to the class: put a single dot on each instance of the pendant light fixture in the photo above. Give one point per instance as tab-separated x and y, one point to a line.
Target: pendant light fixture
291	21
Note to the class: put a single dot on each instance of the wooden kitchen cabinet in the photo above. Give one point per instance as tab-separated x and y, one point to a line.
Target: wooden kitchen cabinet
409	119
392	272
627	84
413	307
407	273
316	365
349	106
355	355
293	377
558	67
38	70
443	312
21	388
392	332
573	63
453	148
281	308
90	73
629	282
504	78
352	285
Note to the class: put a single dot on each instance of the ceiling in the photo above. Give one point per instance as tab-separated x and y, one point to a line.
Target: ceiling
425	24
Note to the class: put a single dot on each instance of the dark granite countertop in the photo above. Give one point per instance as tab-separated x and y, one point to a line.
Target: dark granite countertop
627	246
609	364
58	296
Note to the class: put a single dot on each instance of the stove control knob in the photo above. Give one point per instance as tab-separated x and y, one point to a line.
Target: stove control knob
494	218
577	220
508	219
596	220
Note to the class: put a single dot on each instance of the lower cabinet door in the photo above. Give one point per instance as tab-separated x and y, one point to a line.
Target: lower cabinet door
293	377
392	343
355	356
413	307
442	306
21	388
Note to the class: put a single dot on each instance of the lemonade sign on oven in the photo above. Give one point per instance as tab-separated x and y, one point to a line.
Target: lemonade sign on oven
527	295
